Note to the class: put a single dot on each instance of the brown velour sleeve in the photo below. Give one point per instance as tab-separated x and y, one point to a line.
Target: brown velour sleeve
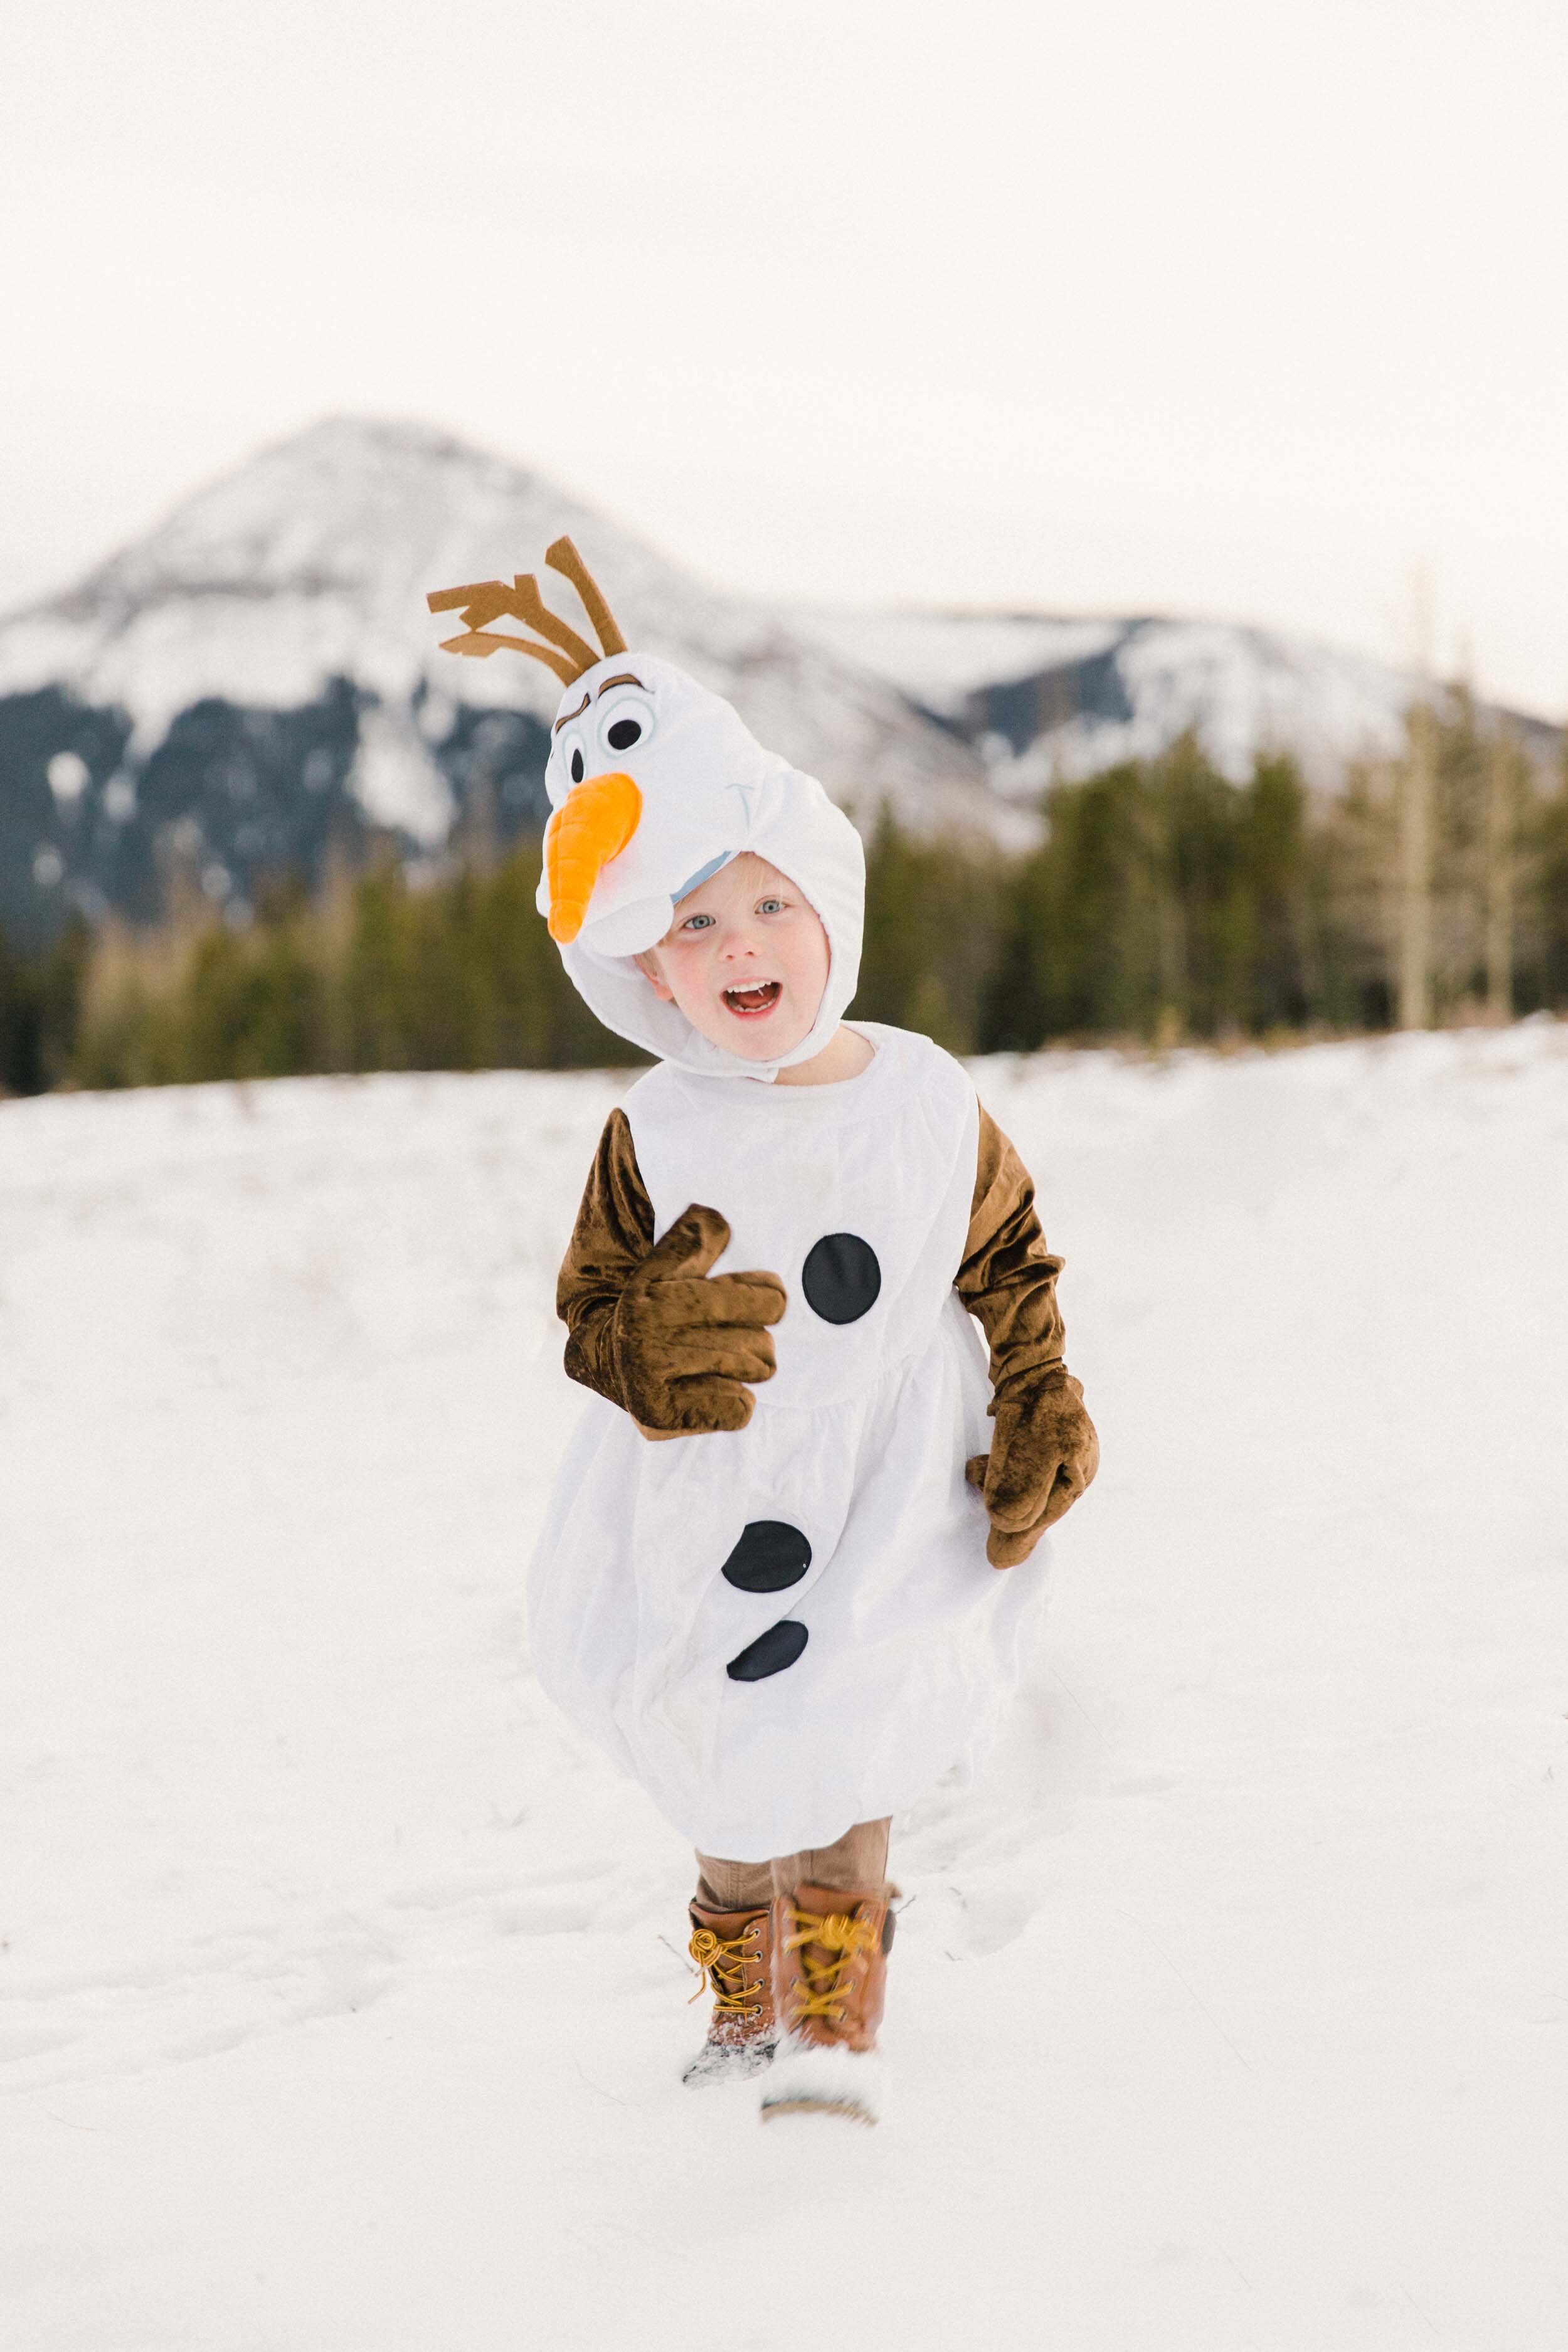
1008	1277
612	1237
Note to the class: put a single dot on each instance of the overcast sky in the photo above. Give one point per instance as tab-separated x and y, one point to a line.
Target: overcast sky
1253	308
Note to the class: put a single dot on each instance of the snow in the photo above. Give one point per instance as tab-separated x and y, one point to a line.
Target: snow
68	777
397	781
1229	2013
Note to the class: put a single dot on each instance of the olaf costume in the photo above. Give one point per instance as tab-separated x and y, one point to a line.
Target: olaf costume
785	1629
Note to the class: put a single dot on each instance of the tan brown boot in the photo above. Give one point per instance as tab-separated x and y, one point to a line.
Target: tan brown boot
830	1974
734	1950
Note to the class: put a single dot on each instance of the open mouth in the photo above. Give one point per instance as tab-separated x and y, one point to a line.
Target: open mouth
748	1003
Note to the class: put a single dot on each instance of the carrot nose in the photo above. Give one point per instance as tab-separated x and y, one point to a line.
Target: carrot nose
591	825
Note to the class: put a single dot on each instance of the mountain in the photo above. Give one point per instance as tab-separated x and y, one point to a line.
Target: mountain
258	682
257	685
1040	699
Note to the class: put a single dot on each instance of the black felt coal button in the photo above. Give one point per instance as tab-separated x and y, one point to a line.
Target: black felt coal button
770	1653
841	1277
769	1555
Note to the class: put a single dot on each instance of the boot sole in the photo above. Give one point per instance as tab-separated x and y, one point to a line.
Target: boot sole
849	2110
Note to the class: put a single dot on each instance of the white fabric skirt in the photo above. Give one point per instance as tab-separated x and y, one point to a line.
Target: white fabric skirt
912	1642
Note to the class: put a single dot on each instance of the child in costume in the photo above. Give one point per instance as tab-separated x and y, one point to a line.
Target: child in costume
763	1585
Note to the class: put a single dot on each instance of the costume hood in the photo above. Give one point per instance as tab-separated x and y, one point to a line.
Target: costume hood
654	784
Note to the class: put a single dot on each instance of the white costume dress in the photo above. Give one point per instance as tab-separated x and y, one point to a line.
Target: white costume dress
878	1651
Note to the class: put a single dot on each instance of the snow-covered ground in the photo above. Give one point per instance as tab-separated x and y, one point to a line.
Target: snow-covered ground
1232	2011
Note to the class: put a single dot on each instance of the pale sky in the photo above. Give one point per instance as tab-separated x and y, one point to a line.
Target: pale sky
1250	307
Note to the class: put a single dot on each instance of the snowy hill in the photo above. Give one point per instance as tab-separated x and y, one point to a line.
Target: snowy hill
260	677
1041	699
1229	2012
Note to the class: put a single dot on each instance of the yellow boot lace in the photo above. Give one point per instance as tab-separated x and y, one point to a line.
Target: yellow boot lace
723	1968
841	1938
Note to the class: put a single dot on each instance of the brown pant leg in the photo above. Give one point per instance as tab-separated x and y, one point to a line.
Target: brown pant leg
733	1886
858	1862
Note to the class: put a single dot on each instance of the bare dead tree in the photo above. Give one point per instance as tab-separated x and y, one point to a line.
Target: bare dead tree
1417	780
1505	779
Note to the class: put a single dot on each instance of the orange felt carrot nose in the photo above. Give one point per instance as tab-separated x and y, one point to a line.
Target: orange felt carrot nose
591	825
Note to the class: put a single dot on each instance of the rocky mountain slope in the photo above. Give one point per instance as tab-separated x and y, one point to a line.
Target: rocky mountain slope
1041	699
260	679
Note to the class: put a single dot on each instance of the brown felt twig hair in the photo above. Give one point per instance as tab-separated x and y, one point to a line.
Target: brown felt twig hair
484	601
562	557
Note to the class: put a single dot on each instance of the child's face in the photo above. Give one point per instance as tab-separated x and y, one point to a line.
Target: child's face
745	960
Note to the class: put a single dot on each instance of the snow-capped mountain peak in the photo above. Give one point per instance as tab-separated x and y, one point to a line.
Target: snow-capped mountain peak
1047	699
276	619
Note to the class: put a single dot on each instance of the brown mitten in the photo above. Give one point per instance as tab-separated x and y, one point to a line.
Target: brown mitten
686	1343
1043	1455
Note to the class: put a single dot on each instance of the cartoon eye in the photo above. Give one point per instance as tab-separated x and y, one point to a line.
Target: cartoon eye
567	766
624	721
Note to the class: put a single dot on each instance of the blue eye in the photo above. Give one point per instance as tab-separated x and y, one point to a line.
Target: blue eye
697	923
770	907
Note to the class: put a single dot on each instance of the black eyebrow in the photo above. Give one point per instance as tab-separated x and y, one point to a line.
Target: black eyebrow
568	714
624	678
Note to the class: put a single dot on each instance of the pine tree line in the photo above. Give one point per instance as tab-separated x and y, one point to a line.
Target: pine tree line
1165	903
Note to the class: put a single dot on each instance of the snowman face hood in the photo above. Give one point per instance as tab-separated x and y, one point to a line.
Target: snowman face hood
704	790
654	784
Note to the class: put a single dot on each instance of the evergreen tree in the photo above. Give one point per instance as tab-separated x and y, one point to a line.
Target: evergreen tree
1163	901
931	912
41	1000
